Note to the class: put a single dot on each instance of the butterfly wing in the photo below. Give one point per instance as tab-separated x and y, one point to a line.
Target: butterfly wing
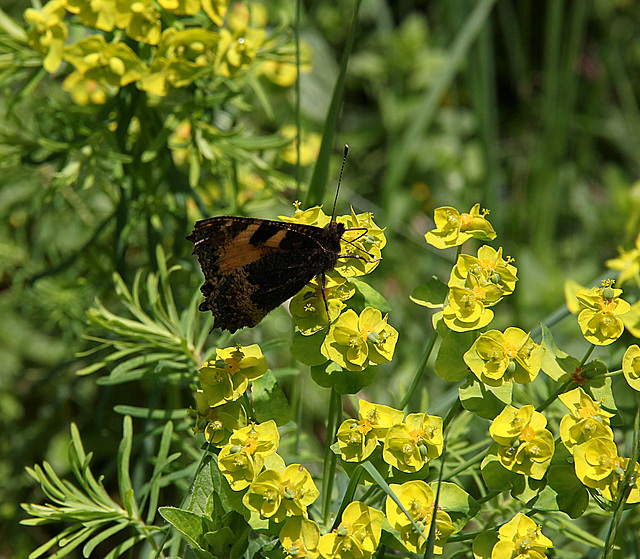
251	266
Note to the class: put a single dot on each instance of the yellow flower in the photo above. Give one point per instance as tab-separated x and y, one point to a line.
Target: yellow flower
521	538
218	422
299	538
488	270
112	64
598	320
238	466
496	357
363	239
312	216
308	308
586	421
48	33
85	90
418	499
466	310
309	147
355	342
357	439
358	535
526	447
242	458
215	9
631	366
453	229
227	378
628	264
278	493
243	15
595	460
100	14
181	7
181	57
237	51
410	445
140	19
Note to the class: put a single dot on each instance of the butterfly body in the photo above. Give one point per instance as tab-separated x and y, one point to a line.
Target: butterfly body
251	266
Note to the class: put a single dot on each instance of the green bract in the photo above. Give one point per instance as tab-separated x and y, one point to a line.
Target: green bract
308	308
218	422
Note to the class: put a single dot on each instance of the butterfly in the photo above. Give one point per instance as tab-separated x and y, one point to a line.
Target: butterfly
251	266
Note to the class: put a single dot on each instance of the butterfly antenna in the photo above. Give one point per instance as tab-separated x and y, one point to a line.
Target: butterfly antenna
335	201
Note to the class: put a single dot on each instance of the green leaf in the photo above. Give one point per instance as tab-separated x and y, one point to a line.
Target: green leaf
331	375
449	363
555	362
306	349
124	455
495	475
367	296
431	294
599	385
460	506
269	401
190	525
484	542
485	401
564	491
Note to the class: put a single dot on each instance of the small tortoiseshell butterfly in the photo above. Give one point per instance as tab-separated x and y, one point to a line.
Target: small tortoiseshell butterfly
251	266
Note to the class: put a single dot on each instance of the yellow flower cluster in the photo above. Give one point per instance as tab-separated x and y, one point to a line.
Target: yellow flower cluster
406	445
524	445
167	56
280	494
476	282
354	341
222	382
587	435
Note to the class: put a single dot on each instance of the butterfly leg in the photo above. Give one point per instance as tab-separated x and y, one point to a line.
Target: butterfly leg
324	298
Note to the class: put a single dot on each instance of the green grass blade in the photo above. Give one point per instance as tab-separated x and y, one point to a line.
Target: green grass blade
318	183
400	154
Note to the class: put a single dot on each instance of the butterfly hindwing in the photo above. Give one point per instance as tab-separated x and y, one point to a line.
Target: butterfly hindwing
251	266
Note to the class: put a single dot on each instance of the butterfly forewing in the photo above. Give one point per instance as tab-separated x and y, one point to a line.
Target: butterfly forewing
251	266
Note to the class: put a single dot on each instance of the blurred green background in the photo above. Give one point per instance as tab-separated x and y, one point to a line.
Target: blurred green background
528	107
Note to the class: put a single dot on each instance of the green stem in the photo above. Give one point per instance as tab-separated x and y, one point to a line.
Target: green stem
420	370
553	397
587	355
329	468
462	467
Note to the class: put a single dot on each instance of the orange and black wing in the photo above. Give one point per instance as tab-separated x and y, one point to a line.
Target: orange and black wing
251	266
